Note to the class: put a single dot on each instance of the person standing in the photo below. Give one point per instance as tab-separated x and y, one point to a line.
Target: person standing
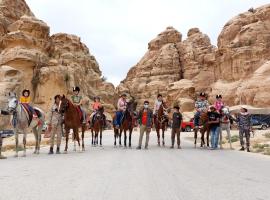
176	126
55	124
245	126
214	125
121	108
201	105
145	119
225	125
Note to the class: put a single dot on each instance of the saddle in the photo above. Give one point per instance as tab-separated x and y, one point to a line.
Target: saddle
30	112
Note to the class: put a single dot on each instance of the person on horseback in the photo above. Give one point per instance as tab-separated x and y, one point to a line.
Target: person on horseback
176	126
158	103
96	107
25	99
55	124
201	105
145	119
77	100
121	108
219	104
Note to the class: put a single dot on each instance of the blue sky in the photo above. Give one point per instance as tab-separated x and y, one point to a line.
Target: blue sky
117	31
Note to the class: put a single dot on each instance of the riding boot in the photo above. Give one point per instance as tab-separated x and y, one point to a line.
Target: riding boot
51	150
242	149
58	150
248	150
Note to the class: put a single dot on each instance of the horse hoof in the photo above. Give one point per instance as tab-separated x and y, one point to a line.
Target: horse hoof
35	152
65	152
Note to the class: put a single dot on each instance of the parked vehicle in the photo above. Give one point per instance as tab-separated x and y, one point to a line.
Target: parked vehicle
187	126
6	133
260	121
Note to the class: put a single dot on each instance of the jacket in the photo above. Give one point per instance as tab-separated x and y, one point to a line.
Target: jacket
149	117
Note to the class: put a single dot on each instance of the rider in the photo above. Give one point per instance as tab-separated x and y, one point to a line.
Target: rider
201	105
96	106
158	103
25	99
77	100
121	107
219	104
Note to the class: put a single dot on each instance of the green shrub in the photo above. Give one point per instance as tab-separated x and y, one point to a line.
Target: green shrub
234	138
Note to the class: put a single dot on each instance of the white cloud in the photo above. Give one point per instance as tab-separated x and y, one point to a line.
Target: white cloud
117	31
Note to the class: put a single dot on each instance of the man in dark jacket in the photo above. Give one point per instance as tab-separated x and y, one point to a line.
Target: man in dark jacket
145	119
176	126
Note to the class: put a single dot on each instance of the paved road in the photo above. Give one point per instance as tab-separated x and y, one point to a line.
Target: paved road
117	173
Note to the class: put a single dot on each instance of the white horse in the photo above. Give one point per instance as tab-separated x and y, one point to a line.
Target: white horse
20	123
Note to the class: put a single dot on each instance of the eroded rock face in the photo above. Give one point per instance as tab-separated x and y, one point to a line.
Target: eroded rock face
237	68
47	65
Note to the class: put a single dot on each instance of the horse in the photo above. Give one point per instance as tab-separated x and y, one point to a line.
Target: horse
161	122
204	128
72	120
20	123
97	127
128	123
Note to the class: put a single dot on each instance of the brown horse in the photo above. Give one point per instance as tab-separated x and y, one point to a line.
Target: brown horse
161	122
98	127
204	128
128	123
72	120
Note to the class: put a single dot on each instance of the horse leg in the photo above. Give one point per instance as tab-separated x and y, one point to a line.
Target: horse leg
16	142
77	138
83	130
195	137
120	136
202	138
115	133
24	143
36	138
125	137
163	137
100	137
92	132
158	135
130	133
67	137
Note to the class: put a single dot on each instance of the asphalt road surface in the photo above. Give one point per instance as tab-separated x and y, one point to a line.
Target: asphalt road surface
159	173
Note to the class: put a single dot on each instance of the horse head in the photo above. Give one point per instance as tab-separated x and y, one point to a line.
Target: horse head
12	103
64	104
225	110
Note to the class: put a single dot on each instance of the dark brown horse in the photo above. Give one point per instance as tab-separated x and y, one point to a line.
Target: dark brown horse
161	122
98	127
72	120
128	123
204	128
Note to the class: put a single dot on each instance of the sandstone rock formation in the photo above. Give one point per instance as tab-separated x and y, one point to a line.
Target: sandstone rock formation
181	69
47	65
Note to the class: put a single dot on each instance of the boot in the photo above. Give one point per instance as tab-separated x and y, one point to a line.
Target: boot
58	150
248	150
51	150
242	149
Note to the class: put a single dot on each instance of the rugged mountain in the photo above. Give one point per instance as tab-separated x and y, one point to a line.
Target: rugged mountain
46	64
181	69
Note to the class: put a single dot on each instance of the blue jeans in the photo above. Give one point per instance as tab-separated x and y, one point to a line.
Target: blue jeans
119	115
214	136
197	118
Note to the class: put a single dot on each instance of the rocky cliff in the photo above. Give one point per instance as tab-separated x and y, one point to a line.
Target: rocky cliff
46	64
181	69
